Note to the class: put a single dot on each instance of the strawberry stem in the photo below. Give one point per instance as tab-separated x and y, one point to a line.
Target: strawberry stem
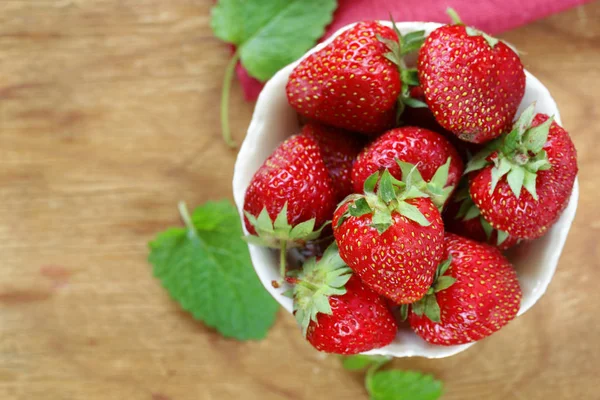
282	260
225	99
454	16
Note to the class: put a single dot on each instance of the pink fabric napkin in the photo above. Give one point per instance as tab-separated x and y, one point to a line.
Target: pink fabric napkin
492	16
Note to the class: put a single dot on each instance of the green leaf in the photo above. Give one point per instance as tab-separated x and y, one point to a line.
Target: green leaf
414	103
411	212
472	212
443	282
270	34
281	225
529	181
404	312
359	361
303	229
386	189
418	307
498	172
359	208
492	41
511	142
403	385
440	178
487	228
411	42
432	309
371	182
525	120
535	138
478	161
443	267
381	221
515	180
207	270
502	236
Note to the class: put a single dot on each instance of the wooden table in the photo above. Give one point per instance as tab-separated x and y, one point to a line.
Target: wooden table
108	117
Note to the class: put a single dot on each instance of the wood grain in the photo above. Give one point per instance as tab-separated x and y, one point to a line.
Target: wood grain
108	117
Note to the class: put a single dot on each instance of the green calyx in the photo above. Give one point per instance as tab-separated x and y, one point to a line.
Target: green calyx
428	305
468	210
517	154
318	281
492	41
273	233
436	189
405	44
391	196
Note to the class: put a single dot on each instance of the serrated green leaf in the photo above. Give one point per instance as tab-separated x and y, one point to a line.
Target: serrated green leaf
535	138
412	42
359	361
403	385
411	212
359	208
270	34
529	182
515	180
209	273
264	223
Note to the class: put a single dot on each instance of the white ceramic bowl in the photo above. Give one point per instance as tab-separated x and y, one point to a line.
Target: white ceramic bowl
274	120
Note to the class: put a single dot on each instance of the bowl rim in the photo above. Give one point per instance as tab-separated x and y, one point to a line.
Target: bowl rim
250	144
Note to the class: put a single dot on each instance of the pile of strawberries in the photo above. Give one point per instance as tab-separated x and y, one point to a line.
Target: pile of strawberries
404	185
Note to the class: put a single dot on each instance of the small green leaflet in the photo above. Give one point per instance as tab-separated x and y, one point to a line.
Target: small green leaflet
206	268
270	34
403	385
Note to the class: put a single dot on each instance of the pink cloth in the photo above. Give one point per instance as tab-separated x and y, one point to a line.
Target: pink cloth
492	16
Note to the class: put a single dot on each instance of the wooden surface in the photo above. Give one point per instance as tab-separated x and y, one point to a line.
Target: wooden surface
108	117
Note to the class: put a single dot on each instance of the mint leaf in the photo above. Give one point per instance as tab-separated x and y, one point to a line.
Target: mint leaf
403	385
270	34
206	268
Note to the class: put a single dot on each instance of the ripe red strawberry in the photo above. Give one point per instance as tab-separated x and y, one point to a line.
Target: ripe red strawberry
339	150
473	83
289	196
537	155
392	239
426	149
464	218
354	83
476	293
337	312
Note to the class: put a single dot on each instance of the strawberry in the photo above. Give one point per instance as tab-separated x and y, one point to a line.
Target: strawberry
339	150
537	155
289	196
392	239
437	161
473	83
464	218
336	311
355	82
476	292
